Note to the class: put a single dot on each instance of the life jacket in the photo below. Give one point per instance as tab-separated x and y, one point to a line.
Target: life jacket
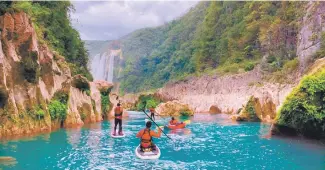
173	122
146	138
118	111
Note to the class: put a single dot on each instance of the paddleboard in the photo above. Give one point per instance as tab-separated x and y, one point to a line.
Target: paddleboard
147	155
117	135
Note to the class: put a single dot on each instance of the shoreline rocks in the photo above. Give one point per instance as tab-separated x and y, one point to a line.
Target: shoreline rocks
174	108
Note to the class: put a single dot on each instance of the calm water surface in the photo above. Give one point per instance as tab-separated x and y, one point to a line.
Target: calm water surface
209	142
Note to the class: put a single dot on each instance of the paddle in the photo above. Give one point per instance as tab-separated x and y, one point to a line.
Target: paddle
187	122
144	111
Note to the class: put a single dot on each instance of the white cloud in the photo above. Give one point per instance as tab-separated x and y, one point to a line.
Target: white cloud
113	19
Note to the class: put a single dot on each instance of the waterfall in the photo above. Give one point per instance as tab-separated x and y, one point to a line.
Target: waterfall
102	66
110	68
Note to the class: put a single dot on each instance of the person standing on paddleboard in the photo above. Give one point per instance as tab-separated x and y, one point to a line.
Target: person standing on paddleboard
118	112
152	112
146	137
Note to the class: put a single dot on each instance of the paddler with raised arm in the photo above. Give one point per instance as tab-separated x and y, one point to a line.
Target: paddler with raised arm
146	135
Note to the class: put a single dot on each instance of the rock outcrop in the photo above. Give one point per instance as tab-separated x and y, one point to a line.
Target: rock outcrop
129	101
174	108
214	109
257	109
30	76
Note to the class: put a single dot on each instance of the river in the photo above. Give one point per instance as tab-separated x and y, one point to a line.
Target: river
209	142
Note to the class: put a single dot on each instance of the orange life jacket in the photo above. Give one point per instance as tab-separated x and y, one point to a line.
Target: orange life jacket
173	122
118	112
146	138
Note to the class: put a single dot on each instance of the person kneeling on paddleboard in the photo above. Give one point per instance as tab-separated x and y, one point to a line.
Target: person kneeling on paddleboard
146	137
118	112
174	122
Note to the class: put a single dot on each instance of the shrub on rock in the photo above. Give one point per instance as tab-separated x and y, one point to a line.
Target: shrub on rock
304	108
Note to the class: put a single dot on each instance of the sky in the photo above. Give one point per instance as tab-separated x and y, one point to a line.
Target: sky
109	20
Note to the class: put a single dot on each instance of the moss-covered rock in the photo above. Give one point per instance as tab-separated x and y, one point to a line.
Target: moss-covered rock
30	67
304	108
81	83
174	108
3	97
251	110
257	109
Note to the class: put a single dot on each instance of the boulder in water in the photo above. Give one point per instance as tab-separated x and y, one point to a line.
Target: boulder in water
7	160
214	109
257	109
174	108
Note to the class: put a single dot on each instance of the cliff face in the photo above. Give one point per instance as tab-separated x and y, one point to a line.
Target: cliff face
30	75
228	93
309	37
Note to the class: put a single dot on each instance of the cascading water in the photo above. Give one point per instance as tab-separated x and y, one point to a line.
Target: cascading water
110	68
102	66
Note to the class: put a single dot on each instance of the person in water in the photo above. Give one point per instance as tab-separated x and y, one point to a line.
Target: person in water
118	112
173	121
152	114
146	137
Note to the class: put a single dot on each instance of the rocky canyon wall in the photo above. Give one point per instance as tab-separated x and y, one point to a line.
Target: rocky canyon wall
227	93
30	75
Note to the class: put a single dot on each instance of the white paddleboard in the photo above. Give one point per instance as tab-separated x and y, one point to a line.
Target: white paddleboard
117	135
147	155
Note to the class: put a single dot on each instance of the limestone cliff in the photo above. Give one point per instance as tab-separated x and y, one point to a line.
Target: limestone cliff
30	75
309	37
228	93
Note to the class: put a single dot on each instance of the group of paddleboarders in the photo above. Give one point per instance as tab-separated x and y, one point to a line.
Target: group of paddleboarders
145	134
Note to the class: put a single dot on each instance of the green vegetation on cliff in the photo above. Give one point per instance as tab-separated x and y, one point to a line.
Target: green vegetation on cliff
150	100
52	24
304	108
104	95
217	37
58	106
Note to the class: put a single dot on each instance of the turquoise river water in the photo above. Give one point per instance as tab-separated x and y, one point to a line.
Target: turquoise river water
209	142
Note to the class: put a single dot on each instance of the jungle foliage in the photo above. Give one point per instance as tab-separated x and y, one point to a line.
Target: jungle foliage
217	37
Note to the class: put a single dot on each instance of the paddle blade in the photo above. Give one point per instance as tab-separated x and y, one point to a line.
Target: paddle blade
187	122
161	127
